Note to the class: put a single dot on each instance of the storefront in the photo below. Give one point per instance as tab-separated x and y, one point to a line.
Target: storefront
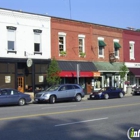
83	76
16	74
134	73
109	74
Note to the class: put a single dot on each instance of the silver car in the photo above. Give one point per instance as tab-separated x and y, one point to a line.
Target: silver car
60	92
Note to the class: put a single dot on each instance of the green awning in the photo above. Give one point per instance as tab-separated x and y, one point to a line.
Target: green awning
108	67
117	45
101	43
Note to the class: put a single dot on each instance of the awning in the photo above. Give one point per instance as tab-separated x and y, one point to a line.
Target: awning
135	71
117	45
69	68
74	74
108	67
101	43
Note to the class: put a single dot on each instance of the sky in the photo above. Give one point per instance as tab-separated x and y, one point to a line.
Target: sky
115	13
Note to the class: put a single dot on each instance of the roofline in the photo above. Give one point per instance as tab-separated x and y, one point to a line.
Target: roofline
60	18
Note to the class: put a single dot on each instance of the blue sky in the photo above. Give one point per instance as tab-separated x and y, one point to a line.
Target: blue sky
116	13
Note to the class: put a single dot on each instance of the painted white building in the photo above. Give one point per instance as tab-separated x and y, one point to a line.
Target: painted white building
24	35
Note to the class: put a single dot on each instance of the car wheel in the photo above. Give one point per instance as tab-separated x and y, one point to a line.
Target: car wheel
121	95
106	96
52	99
78	98
22	102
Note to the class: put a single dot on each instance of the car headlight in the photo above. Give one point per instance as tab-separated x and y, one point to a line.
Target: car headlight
46	95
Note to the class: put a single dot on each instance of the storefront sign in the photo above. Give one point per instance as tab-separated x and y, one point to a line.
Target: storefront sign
40	79
96	74
7	79
132	65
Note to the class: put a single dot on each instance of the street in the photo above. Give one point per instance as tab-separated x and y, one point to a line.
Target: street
86	120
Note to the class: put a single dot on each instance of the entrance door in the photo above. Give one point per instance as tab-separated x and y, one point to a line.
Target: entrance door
21	84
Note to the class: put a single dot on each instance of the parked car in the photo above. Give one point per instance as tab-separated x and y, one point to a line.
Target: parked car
13	96
60	92
136	90
107	92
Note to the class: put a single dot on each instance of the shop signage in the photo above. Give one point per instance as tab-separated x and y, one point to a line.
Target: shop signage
112	57
96	74
29	62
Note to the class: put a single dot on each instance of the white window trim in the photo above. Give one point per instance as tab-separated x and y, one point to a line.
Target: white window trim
62	34
100	56
81	36
132	43
116	40
40	35
13	40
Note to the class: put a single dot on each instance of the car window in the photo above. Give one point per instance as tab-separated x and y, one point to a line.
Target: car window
52	88
63	88
69	87
76	87
3	92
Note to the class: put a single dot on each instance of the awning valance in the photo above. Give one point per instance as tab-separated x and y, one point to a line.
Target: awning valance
135	71
117	45
101	43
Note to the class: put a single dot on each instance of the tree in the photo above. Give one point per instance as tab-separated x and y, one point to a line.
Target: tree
138	30
123	72
53	73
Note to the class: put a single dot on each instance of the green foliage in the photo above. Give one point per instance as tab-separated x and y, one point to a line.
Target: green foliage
123	72
82	54
62	53
138	30
53	73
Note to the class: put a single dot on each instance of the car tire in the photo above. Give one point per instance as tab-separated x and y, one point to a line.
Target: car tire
106	96
78	98
121	95
52	99
22	102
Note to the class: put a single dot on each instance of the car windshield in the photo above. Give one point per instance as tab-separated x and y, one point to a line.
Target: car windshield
103	89
52	88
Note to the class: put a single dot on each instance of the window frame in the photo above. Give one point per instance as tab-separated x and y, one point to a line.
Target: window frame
81	46
99	47
62	35
131	50
11	30
116	50
38	33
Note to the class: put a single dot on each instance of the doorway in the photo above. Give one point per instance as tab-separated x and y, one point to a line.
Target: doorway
20	83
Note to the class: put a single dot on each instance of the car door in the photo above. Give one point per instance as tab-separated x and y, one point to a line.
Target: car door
12	96
3	97
71	91
62	93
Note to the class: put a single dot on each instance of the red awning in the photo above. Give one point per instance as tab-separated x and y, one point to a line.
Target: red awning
74	74
135	71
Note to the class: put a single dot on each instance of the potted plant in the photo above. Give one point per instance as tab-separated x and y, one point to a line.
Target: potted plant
63	53
82	54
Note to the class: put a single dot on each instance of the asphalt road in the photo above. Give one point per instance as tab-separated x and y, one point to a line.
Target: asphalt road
86	120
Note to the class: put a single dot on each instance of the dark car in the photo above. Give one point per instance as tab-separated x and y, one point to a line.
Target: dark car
108	92
60	92
12	96
136	91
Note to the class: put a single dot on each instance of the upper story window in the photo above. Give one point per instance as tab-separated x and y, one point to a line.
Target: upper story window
37	40
81	40
131	49
116	47
101	45
62	42
11	38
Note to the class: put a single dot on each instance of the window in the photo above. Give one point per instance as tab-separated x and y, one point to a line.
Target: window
116	47
81	39
101	46
62	42
37	40
11	32
131	49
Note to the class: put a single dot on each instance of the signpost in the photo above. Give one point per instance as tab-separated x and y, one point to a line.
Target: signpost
78	73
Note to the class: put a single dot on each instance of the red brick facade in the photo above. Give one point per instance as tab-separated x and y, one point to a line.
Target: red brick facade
91	32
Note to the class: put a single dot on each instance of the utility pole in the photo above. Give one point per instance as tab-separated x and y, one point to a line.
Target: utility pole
70	7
